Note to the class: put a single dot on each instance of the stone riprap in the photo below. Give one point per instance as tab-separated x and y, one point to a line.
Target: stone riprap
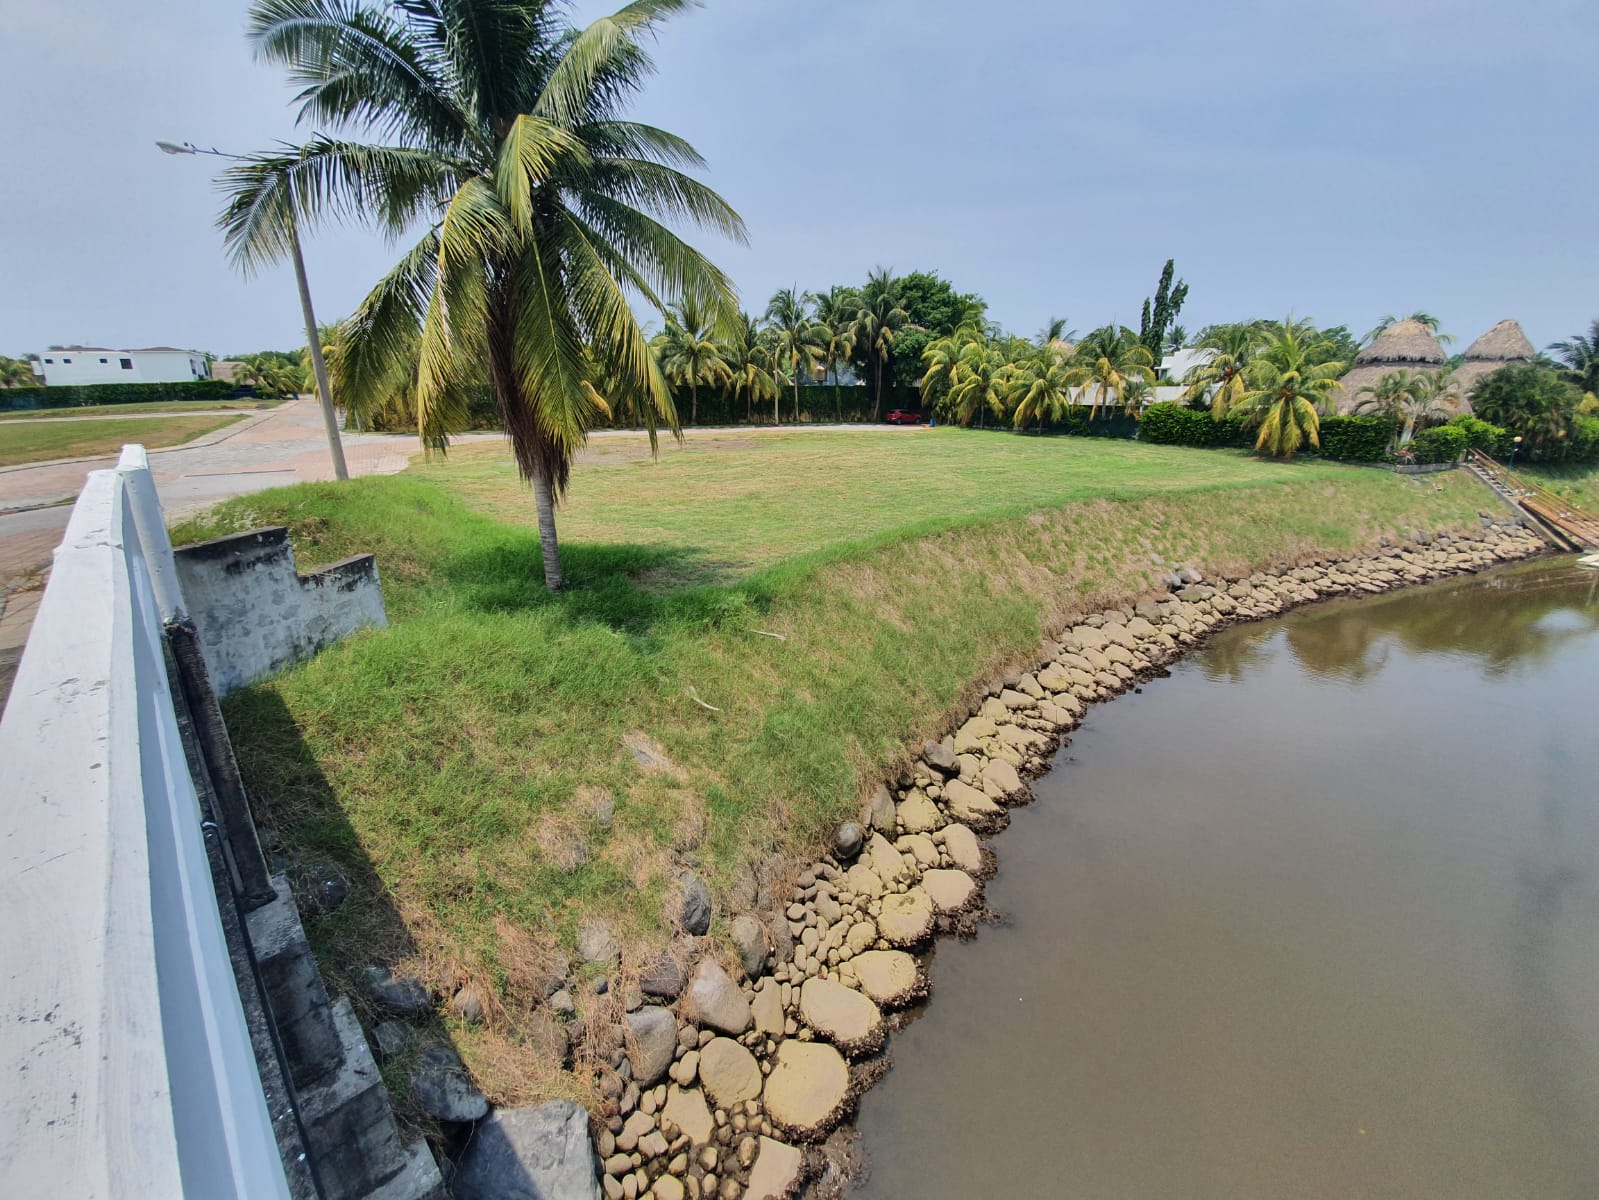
761	1065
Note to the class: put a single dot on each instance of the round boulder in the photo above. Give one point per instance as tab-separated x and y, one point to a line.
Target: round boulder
654	1032
906	919
729	1073
808	1088
847	842
841	1015
951	890
713	999
889	977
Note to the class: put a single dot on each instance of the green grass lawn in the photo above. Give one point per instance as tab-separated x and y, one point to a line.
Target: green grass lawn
176	407
1580	485
26	443
450	764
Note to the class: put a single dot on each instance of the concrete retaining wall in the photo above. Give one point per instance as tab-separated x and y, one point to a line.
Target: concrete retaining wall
256	614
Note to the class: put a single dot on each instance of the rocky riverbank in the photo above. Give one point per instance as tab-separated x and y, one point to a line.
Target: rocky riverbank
721	1082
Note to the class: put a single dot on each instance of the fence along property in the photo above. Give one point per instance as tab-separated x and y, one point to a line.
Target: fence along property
163	1028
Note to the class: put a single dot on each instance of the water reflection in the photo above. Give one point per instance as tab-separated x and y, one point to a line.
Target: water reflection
1519	617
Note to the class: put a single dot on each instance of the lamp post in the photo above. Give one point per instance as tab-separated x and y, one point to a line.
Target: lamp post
318	366
1514	446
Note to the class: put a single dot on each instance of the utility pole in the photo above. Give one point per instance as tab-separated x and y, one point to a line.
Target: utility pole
319	367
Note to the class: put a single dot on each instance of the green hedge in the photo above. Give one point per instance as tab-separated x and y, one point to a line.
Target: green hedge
1493	440
1168	424
83	395
1356	439
1443	444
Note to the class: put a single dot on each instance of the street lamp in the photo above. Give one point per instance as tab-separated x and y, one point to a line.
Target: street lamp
313	339
1514	446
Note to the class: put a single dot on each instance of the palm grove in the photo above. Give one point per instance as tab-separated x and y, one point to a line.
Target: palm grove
500	133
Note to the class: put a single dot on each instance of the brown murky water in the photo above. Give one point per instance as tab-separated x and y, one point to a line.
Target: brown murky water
1317	916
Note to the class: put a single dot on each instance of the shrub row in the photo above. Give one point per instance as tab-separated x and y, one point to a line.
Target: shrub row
1168	424
82	395
1356	439
1441	444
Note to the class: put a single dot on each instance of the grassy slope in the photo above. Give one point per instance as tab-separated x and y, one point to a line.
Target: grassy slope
1578	484
26	443
449	761
176	407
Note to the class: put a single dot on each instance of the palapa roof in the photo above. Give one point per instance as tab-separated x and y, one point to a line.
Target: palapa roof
1404	344
1504	343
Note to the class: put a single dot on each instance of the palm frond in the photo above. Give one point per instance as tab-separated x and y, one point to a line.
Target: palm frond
269	195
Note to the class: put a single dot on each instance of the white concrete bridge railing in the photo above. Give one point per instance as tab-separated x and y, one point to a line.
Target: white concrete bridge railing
128	1068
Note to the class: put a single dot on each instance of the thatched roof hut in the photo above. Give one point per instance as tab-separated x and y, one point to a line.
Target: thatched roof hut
1502	345
1403	346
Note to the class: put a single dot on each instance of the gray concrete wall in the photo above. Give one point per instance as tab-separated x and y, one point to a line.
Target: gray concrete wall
256	614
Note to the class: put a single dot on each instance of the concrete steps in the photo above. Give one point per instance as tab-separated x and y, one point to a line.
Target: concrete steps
350	1133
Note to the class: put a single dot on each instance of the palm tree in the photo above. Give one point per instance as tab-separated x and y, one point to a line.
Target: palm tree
798	346
1287	388
978	383
1111	356
544	209
17	372
878	322
1389	397
749	365
1221	380
272	377
834	323
1579	354
688	351
1041	385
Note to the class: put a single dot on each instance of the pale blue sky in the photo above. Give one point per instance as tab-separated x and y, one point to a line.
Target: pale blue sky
1343	159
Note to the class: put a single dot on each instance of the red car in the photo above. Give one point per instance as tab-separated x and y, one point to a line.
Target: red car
903	416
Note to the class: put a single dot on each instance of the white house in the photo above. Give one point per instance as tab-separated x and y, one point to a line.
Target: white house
63	365
1178	363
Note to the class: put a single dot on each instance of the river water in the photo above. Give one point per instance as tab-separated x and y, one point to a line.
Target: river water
1316	916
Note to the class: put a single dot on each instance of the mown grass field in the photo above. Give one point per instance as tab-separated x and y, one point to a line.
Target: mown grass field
451	763
175	407
25	443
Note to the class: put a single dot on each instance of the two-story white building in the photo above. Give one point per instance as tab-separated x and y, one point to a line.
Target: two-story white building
77	365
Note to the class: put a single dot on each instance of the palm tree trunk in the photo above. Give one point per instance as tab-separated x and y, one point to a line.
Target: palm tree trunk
693	402
796	396
549	544
877	400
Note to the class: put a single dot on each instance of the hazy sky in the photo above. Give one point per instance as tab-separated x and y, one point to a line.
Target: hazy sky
1342	159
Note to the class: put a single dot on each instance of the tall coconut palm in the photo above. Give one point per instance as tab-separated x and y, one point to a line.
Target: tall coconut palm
1111	356
977	385
798	346
689	352
941	363
834	323
1040	385
877	324
544	208
750	366
1579	354
1287	389
1221	380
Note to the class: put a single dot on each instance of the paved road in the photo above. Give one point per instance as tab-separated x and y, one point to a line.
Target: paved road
280	446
